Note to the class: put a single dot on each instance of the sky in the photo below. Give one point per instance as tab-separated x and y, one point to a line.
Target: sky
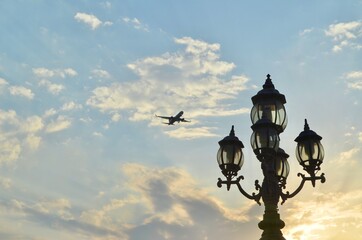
82	155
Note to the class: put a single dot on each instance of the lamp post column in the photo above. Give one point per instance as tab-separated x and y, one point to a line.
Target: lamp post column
271	223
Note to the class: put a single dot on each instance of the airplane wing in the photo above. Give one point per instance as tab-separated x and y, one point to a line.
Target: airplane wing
164	117
184	120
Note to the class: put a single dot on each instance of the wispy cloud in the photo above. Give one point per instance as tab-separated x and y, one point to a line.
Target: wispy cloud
325	216
88	19
3	82
21	91
136	23
156	202
49	73
306	31
354	80
345	34
100	73
91	20
5	183
169	202
17	133
69	106
53	88
190	80
59	124
191	133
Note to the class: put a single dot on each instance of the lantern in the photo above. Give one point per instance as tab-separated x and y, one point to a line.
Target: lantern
309	151
265	138
269	102
282	166
230	156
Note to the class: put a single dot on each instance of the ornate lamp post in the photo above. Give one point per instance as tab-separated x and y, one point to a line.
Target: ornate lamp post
269	119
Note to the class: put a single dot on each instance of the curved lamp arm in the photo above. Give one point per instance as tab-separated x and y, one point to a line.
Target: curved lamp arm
253	196
287	195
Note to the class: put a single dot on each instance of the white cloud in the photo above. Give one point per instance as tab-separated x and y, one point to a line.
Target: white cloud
135	23
43	72
5	183
16	132
10	149
188	80
21	91
100	73
53	88
347	158
191	133
345	34
69	106
305	31
167	201
33	141
3	83
88	19
49	113
59	124
32	124
334	215
354	80
116	117
49	73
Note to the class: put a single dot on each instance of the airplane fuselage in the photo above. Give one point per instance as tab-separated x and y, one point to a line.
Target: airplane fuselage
176	118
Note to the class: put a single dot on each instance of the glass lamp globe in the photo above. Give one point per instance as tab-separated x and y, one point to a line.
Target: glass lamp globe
230	156
282	165
265	138
269	102
309	150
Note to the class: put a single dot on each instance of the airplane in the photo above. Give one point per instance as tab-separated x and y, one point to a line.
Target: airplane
173	119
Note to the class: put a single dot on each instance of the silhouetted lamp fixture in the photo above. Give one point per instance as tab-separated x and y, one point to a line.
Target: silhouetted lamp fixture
230	155
269	119
269	102
309	151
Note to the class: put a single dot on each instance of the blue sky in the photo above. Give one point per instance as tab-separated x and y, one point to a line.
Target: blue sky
83	157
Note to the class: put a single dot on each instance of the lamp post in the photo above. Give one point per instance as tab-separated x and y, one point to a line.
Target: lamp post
269	119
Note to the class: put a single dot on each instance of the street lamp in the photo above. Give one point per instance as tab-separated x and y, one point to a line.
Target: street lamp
269	119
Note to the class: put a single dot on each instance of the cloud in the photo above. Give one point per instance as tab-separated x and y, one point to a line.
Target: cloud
59	124
100	73
354	80
55	215
306	31
33	141
53	88
190	133
16	132
190	80
334	216
49	73
69	106
136	23
154	203
5	183
21	91
10	149
49	113
91	20
3	82
88	19
166	202
347	157
345	34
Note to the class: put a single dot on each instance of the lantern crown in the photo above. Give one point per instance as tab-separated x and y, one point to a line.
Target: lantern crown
268	91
